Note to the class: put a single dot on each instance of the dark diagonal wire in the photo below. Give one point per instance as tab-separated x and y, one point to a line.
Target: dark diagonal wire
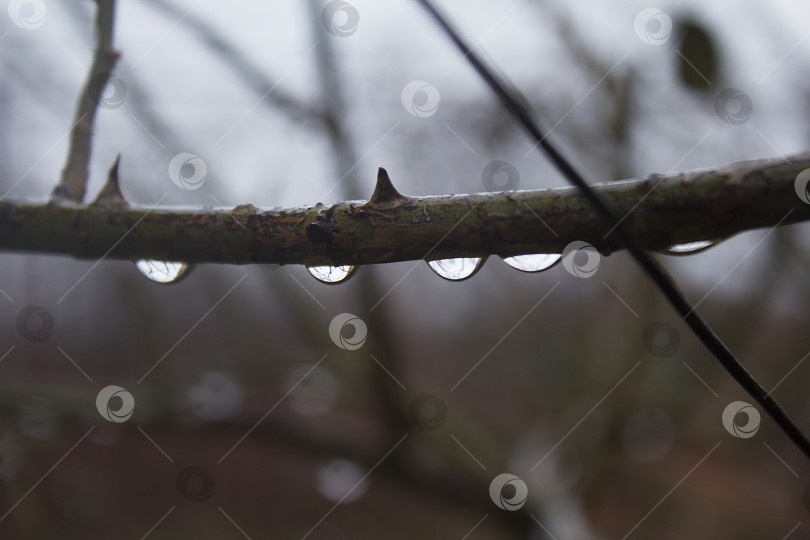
665	284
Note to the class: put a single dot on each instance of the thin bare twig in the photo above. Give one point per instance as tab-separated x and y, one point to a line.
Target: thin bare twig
245	70
73	184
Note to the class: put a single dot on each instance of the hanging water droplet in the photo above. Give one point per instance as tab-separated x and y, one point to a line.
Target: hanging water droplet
534	262
690	248
331	274
457	269
163	271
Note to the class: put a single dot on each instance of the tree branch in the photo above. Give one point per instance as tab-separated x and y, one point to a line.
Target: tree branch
74	176
660	211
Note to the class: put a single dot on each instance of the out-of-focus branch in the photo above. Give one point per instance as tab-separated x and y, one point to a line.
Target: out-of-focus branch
74	176
660	212
340	138
461	485
445	485
383	342
243	68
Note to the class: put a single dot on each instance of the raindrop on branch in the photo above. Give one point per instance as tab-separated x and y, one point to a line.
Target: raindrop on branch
331	274
457	269
535	262
689	248
163	271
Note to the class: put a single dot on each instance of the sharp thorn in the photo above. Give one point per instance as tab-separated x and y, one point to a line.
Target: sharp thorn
385	194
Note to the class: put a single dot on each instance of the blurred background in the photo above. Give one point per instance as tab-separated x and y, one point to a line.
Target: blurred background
241	402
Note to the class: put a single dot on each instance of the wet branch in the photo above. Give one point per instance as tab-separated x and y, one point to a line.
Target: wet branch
660	211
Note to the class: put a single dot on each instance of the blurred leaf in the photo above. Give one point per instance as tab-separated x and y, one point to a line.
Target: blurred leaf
698	61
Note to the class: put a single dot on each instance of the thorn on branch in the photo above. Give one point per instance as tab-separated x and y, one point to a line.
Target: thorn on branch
385	195
683	208
110	195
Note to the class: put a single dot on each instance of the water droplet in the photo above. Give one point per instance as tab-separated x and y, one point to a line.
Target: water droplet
457	269
341	481
164	271
534	262
331	274
689	248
